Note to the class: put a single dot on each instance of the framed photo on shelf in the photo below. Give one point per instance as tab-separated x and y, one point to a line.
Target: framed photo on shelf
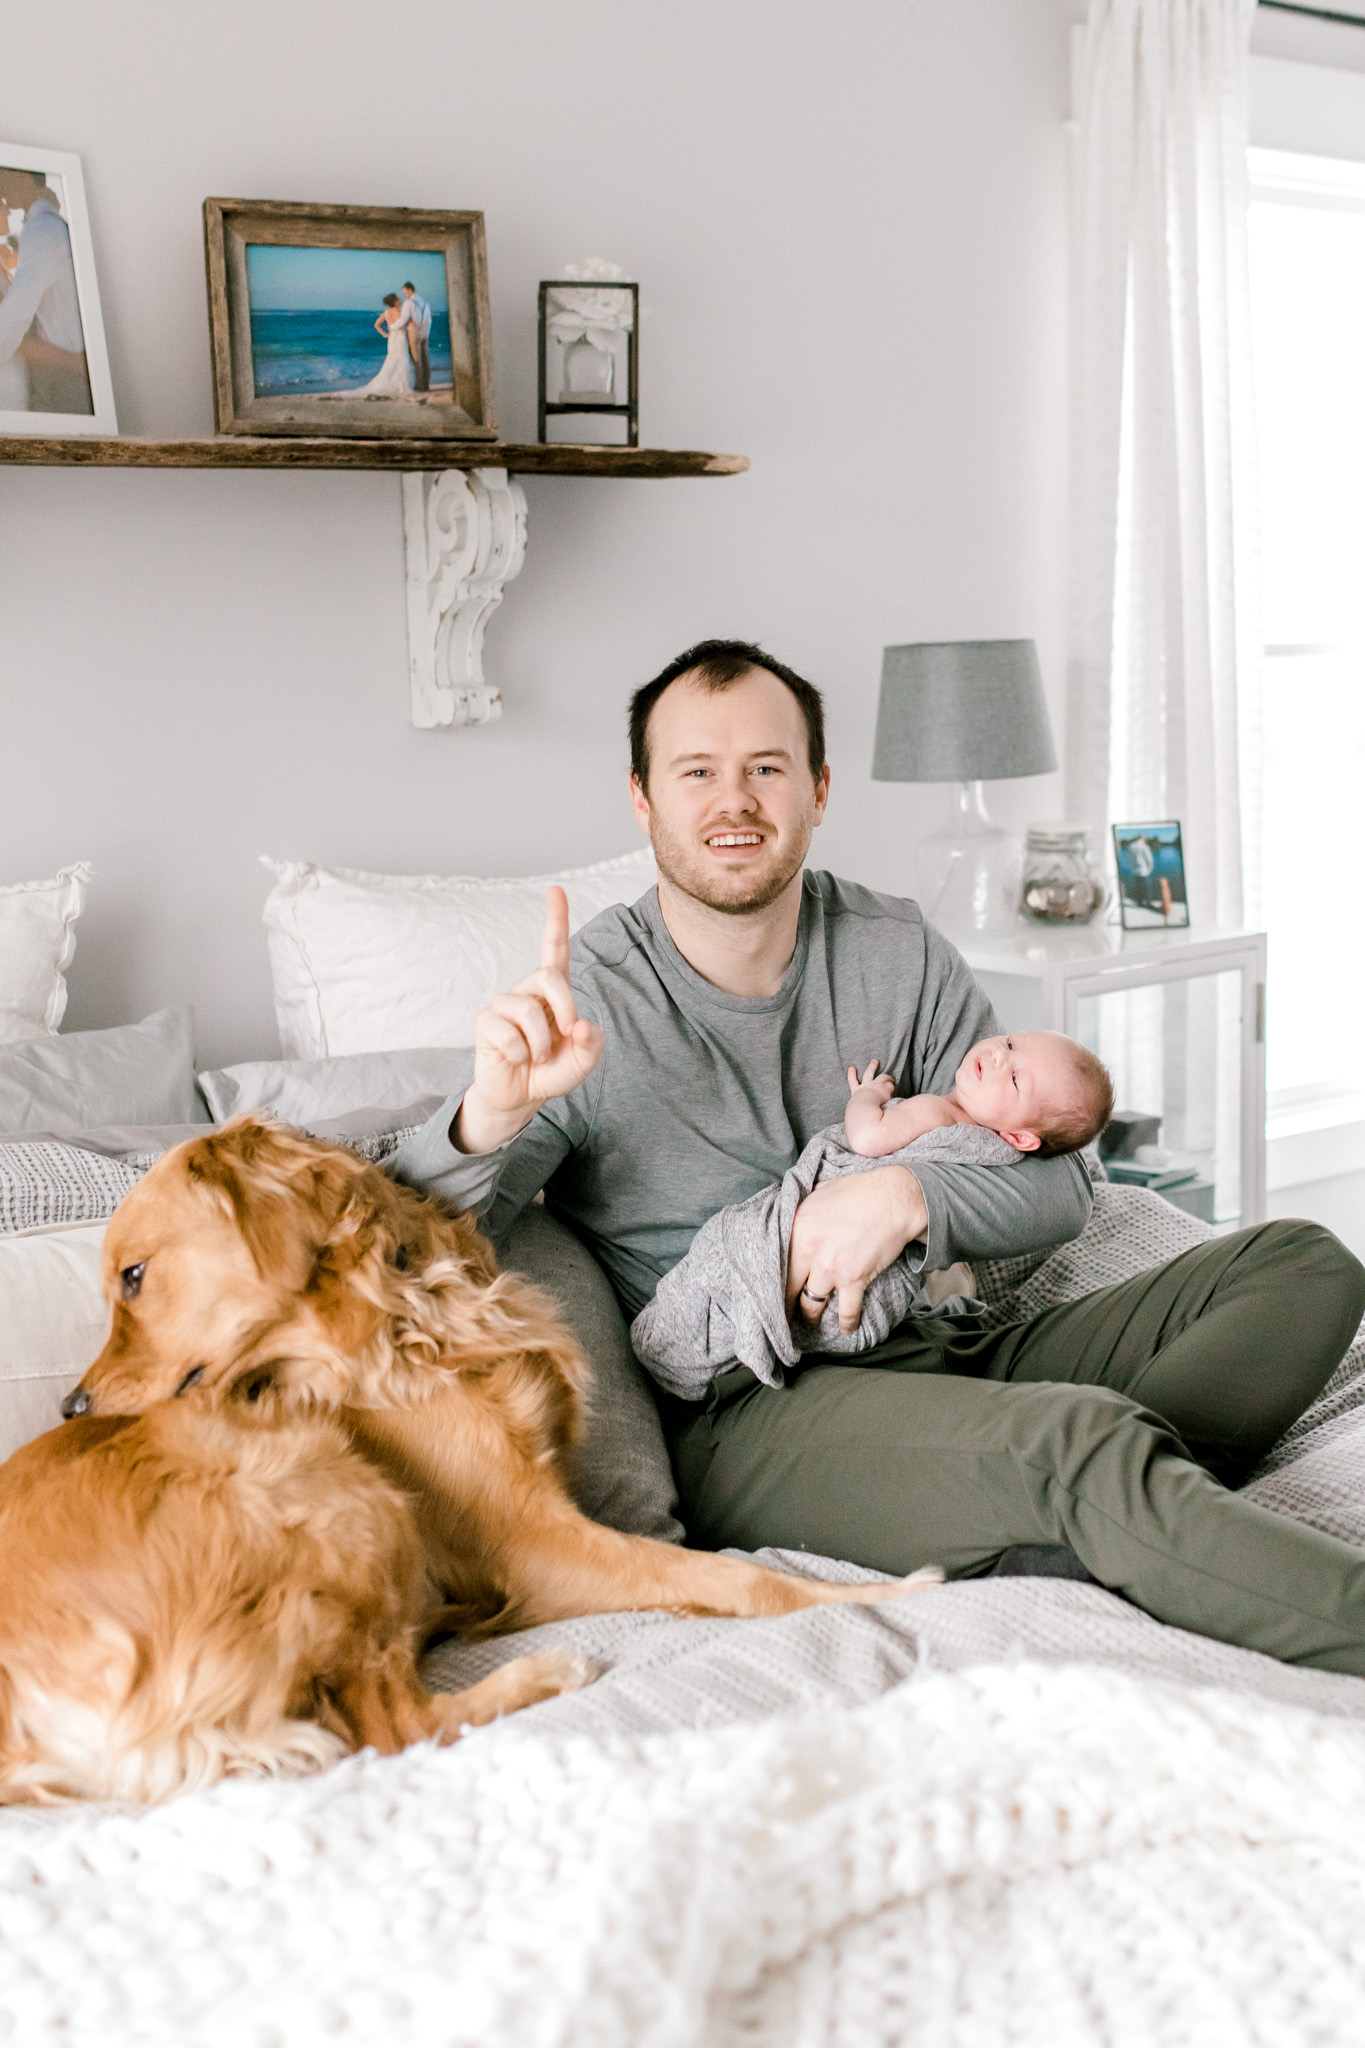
358	321
1151	866
54	370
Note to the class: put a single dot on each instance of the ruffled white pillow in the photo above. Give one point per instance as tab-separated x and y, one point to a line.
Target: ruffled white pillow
37	942
376	963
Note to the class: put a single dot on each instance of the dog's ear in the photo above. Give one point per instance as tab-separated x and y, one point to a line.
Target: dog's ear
284	1369
255	1385
287	1195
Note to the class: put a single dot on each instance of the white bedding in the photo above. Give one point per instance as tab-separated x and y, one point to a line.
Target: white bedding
1003	1848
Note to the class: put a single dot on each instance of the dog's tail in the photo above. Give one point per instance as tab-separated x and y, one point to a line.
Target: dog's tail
56	1750
152	1772
192	1759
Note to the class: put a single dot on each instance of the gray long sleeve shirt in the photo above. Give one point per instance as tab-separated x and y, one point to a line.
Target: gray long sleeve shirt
701	1098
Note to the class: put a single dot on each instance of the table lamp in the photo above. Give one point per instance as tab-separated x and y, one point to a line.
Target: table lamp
967	712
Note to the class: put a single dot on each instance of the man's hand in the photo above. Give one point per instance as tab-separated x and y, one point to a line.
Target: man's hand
530	1045
845	1233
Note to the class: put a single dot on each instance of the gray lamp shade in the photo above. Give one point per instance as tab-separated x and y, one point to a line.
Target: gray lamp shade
962	711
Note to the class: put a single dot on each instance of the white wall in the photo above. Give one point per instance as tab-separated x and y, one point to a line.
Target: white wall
849	224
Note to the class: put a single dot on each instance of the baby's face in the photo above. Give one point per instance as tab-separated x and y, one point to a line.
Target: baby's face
1019	1084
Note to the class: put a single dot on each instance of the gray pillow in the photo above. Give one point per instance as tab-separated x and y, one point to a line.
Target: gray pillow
133	1074
309	1091
621	1474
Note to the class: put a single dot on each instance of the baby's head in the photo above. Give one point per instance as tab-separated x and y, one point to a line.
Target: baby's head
1043	1093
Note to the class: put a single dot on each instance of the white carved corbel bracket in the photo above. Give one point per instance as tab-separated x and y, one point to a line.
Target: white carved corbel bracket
465	533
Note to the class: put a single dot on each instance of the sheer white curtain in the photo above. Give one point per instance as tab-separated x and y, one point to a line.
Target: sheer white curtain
1165	642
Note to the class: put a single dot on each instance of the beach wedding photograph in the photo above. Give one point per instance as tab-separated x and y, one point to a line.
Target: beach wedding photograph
54	375
351	321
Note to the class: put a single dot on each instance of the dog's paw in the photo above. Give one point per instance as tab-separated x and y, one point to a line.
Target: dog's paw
871	1592
916	1582
551	1672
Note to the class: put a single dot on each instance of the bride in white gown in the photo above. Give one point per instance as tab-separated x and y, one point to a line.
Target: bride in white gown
396	378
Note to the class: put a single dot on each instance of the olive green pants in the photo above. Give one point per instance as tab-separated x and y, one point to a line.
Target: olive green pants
1117	1425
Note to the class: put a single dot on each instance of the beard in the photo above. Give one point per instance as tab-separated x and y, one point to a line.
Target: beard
693	871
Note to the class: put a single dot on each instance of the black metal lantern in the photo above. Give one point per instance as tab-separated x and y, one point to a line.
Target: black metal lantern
589	322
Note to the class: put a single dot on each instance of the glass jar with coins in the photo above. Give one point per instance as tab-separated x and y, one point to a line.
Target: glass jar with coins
1061	884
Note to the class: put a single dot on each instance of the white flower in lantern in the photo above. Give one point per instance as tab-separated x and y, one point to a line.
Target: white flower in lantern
588	343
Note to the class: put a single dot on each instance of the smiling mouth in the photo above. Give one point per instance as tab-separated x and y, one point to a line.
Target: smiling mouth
728	842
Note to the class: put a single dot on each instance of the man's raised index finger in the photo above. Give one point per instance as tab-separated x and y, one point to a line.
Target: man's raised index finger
554	947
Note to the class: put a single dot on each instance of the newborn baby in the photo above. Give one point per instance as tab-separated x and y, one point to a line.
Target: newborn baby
1038	1091
725	1303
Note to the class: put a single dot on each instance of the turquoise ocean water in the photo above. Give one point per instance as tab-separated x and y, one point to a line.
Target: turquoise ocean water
297	353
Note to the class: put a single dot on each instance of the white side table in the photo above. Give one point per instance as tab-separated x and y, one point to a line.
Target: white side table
1179	1040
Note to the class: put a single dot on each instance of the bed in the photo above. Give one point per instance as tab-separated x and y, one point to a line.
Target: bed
1013	1810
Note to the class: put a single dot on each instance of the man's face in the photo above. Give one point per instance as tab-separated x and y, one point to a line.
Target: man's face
731	802
18	189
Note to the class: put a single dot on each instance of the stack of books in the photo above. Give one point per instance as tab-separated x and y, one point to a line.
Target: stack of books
1179	1180
1135	1173
1133	1159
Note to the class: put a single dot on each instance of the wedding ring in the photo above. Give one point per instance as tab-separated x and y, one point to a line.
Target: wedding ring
821	1299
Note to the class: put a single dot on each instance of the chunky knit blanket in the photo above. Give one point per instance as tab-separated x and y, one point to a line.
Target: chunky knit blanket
1012	1853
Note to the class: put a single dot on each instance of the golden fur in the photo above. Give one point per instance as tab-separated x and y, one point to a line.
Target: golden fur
308	1310
187	1595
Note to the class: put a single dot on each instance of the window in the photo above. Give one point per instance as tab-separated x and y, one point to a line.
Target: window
1308	334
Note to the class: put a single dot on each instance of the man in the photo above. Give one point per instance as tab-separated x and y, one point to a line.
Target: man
418	314
678	1056
40	315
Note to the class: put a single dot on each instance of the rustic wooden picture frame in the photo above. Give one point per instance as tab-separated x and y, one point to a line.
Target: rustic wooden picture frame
232	225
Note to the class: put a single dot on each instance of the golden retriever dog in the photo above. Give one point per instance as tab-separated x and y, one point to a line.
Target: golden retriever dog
278	1273
191	1594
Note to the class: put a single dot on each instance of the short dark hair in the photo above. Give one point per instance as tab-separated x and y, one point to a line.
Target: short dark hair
717	664
408	285
1070	1131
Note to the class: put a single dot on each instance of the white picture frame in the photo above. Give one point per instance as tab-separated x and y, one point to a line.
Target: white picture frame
61	169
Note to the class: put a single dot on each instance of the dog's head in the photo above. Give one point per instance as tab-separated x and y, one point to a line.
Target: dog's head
253	1250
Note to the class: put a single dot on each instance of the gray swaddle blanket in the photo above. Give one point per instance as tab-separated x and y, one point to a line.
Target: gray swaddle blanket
724	1303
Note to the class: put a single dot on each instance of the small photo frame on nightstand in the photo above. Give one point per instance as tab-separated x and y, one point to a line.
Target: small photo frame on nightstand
1151	868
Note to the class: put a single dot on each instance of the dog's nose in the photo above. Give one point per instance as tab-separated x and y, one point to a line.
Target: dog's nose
76	1403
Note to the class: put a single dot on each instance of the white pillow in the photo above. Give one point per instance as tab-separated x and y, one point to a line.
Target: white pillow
375	963
53	1322
37	941
309	1091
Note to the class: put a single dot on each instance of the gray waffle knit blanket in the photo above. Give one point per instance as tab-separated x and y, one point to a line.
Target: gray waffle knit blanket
724	1304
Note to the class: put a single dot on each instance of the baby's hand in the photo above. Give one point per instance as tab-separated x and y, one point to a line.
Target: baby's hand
880	1087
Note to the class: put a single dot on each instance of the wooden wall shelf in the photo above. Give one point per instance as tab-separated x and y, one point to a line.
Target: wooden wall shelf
246	451
464	524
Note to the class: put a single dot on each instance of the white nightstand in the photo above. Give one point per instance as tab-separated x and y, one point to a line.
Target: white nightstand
1179	1018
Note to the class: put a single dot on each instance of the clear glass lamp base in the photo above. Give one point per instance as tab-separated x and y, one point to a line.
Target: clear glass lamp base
970	871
